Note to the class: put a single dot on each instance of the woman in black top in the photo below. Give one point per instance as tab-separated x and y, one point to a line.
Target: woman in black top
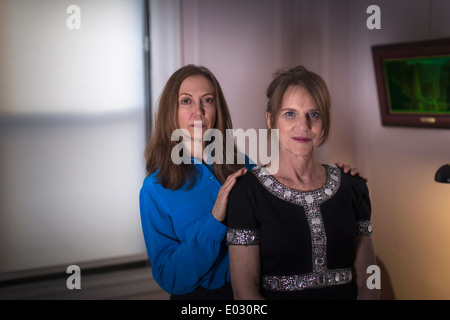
302	231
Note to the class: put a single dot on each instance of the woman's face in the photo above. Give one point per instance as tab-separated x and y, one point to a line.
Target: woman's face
196	106
299	123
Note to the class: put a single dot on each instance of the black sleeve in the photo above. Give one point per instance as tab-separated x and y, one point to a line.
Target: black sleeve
243	227
364	209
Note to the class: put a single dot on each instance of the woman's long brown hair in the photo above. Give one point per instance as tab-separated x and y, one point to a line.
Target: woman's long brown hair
159	148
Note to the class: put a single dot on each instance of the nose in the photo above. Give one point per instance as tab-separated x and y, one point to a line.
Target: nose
304	122
199	110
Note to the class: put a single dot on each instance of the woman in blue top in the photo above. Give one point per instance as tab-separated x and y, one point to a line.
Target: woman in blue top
183	206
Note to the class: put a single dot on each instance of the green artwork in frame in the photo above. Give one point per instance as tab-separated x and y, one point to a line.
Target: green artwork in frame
418	85
413	81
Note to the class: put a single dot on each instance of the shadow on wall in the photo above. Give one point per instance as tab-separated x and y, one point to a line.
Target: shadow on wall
387	291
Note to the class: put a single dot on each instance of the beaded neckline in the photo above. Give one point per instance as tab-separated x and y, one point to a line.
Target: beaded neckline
302	198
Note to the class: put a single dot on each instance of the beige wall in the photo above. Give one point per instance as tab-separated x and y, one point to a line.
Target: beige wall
244	42
410	211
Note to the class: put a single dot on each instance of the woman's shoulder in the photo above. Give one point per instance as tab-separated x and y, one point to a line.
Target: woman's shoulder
243	181
152	184
151	180
249	182
355	182
151	189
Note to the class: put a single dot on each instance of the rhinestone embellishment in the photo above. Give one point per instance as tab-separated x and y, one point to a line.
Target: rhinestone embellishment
364	228
287	195
311	202
307	281
243	237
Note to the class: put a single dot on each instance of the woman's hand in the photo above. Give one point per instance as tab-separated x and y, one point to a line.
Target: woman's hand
353	171
219	210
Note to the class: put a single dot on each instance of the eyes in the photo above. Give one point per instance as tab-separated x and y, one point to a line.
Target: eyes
312	115
206	101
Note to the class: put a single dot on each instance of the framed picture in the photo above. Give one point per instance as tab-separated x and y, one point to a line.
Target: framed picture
413	82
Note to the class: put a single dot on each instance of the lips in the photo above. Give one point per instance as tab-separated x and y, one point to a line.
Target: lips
302	139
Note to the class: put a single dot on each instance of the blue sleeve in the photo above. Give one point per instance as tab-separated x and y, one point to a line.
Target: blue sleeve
179	265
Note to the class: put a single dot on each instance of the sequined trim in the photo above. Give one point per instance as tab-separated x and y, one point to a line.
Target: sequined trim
311	202
364	228
245	237
307	281
301	198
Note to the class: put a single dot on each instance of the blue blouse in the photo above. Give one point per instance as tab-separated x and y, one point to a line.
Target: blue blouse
185	243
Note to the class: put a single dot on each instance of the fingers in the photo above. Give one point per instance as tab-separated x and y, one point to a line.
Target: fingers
343	166
353	171
348	168
229	184
231	180
362	177
240	172
236	175
219	209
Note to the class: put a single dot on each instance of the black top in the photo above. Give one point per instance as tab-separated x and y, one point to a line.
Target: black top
306	239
